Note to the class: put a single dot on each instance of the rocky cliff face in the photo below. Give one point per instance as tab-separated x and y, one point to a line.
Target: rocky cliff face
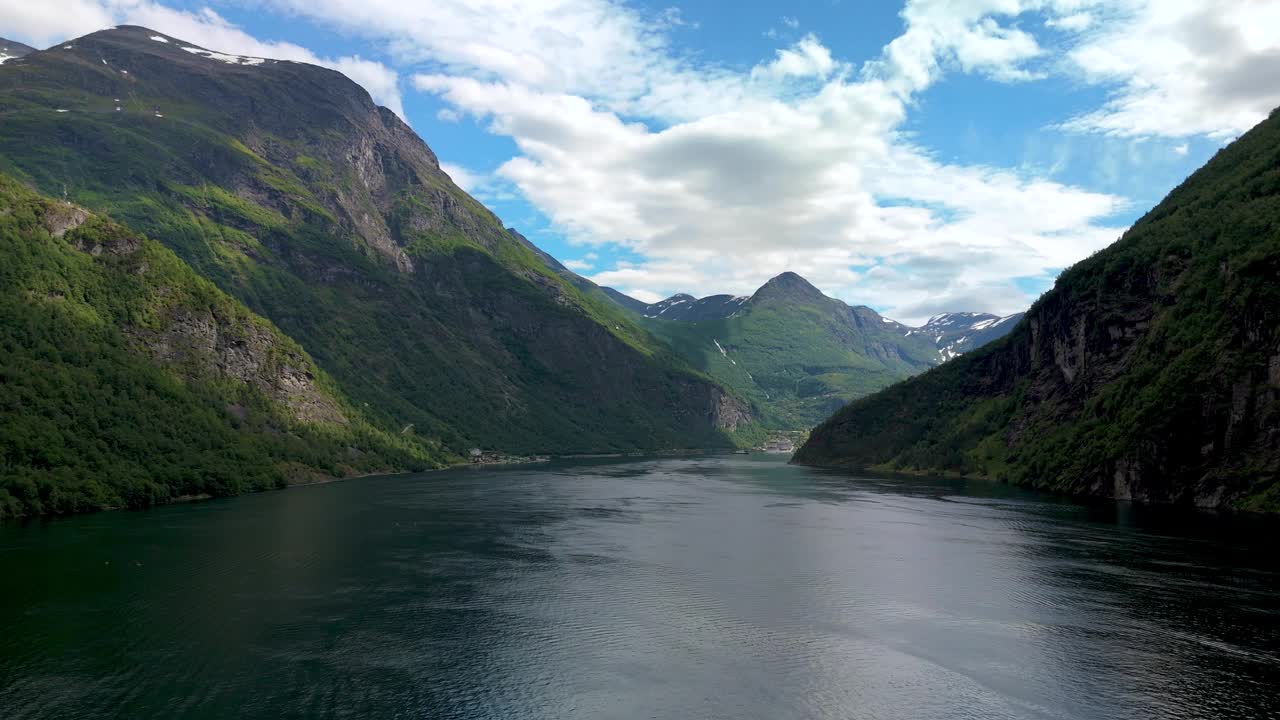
200	342
1147	373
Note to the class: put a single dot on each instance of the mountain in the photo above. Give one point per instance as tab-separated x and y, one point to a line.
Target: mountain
284	185
688	307
953	333
800	355
127	380
10	50
958	333
1151	371
797	354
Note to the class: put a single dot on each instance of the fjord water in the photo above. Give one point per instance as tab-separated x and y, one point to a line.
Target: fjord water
713	587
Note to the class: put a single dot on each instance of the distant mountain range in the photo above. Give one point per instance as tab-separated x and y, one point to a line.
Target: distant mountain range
800	355
1150	372
953	333
958	333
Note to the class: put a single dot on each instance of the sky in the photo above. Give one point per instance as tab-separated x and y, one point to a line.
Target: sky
918	157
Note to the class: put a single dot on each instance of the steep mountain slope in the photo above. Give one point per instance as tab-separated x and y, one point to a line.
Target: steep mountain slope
285	185
1151	371
127	380
796	353
10	50
958	333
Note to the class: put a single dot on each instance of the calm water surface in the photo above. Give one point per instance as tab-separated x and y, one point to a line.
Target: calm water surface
719	587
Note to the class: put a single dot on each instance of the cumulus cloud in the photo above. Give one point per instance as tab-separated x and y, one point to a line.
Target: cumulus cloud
462	177
50	21
718	177
1076	22
1181	69
42	24
795	165
808	58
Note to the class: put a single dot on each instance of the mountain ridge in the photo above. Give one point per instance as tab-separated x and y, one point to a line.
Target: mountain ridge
954	333
796	353
11	50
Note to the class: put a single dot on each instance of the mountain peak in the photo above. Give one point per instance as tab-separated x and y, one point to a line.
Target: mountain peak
790	286
10	50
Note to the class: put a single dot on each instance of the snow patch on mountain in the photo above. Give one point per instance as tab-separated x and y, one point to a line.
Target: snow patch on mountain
229	59
722	351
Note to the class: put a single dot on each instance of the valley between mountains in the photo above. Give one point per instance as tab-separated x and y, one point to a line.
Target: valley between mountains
225	274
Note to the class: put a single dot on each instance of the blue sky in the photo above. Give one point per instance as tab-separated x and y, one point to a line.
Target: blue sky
919	157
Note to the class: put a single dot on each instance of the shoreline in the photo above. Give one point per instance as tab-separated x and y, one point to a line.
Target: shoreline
326	480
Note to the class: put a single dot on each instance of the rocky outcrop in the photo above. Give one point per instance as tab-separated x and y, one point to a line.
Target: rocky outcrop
205	343
61	217
727	412
202	339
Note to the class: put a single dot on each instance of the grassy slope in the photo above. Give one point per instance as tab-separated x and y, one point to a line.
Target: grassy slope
1194	284
88	419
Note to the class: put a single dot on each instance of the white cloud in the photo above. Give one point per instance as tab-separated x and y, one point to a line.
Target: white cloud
462	177
484	186
50	21
718	178
967	34
645	295
1076	22
817	186
1182	149
42	24
790	22
579	265
1183	68
795	165
808	58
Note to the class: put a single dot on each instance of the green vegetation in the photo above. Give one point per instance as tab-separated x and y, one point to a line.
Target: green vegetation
94	413
797	354
287	189
1151	370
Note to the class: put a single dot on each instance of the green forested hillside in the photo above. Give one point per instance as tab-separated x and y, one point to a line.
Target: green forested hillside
127	380
1151	371
796	353
289	189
